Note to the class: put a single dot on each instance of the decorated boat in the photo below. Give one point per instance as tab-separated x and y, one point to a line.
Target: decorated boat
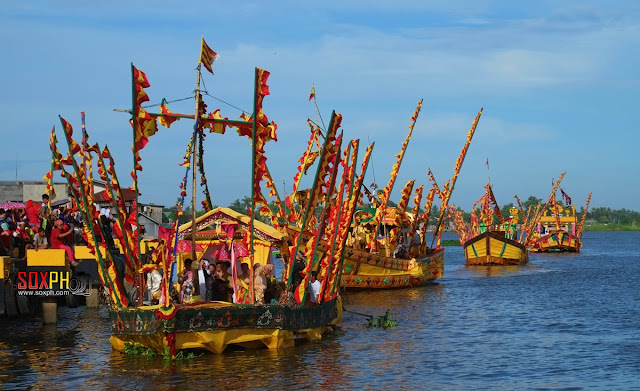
490	238
558	229
387	247
175	317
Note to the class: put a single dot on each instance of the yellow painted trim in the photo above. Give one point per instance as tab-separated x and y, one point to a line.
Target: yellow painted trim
5	268
82	252
47	257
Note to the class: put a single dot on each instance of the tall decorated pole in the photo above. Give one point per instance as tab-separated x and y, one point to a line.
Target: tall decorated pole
584	216
348	179
301	291
115	194
334	124
194	228
520	208
134	209
354	195
207	56
87	210
49	176
377	221
552	196
448	191
253	178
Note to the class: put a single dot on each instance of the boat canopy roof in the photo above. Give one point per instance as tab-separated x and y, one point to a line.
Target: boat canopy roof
220	214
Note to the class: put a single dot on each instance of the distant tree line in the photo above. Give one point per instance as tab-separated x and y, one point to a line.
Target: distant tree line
602	215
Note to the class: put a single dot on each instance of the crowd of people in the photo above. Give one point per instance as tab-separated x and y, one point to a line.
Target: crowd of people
37	226
216	282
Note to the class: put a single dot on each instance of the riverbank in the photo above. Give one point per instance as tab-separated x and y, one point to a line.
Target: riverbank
598	227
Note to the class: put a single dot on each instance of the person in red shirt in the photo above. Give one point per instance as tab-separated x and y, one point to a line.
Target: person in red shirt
57	239
32	214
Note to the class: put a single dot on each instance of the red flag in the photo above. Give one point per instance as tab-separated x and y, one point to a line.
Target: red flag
207	56
313	91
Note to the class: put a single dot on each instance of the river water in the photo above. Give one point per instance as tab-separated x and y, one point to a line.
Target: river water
563	321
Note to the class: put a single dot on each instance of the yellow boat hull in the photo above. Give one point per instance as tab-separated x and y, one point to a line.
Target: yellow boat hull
363	270
214	333
490	248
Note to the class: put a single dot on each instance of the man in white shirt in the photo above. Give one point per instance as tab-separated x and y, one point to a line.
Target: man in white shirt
314	288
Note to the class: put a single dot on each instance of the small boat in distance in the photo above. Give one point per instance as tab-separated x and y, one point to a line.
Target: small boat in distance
558	229
486	243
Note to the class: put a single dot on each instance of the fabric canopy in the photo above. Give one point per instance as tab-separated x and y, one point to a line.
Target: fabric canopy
13	205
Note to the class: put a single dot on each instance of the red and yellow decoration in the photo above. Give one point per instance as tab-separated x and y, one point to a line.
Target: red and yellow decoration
386	192
450	184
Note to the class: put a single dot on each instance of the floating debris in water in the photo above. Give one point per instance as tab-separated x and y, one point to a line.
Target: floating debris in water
385	321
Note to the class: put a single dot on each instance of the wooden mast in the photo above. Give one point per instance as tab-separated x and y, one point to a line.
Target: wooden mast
196	125
136	236
447	192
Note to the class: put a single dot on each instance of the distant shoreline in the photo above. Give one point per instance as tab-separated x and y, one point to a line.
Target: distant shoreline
598	227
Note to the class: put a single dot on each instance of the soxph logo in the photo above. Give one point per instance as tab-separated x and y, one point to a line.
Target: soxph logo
53	283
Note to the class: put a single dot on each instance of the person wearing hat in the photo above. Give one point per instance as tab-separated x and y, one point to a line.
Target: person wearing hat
57	236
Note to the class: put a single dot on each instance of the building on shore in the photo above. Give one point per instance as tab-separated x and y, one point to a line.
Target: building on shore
150	215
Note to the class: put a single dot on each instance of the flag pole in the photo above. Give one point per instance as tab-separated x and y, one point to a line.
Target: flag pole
196	126
136	235
253	186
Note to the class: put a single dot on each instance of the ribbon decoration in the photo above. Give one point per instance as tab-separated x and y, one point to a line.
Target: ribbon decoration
345	223
386	192
400	212
82	194
446	196
584	216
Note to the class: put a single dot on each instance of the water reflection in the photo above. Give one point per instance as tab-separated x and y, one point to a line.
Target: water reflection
496	271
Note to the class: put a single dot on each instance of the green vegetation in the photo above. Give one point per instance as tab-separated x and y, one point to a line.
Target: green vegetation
136	349
610	227
610	216
450	243
171	213
598	219
385	321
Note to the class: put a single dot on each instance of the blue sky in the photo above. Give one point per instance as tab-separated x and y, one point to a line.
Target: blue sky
558	82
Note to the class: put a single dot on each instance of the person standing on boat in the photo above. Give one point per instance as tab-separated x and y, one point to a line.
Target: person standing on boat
186	279
202	275
209	280
227	280
245	276
154	281
260	283
314	288
272	284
